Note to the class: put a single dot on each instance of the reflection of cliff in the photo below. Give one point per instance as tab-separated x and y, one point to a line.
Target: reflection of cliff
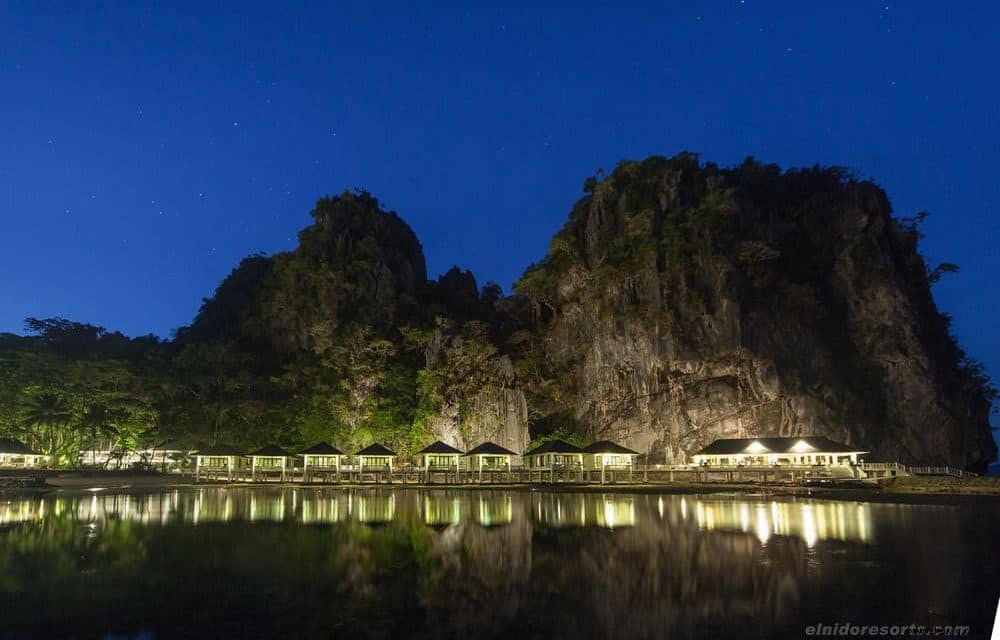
477	572
689	583
457	563
665	578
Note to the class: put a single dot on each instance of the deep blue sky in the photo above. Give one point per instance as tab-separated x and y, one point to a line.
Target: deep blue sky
144	151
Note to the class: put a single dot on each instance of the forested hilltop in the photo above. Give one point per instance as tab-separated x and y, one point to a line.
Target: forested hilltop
681	302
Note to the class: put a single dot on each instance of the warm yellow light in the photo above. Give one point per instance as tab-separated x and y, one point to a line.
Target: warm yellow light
755	447
802	446
809	529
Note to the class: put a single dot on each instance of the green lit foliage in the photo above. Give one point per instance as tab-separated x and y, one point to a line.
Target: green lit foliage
345	339
559	433
458	362
72	384
667	242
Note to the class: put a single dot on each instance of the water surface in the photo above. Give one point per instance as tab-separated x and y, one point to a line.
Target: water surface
364	563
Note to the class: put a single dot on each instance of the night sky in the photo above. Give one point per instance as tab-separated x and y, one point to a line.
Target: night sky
144	151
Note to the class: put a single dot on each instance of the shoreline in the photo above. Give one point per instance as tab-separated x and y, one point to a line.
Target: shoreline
910	490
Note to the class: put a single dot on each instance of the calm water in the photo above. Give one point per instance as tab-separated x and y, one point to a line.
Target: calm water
360	563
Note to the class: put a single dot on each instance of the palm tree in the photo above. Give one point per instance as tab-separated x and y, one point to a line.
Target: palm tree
96	421
48	413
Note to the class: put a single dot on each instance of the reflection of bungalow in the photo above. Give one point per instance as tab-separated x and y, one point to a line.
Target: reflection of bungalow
488	456
217	460
494	511
557	510
615	511
438	456
376	510
553	456
322	509
269	507
375	459
322	458
584	510
268	460
605	456
441	511
798	450
212	508
14	453
811	522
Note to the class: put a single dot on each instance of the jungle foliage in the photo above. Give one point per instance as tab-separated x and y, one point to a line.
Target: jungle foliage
345	339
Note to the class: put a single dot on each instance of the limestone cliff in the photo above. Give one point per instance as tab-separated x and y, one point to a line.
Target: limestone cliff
683	302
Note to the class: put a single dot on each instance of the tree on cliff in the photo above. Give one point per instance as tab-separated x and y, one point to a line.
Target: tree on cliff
680	301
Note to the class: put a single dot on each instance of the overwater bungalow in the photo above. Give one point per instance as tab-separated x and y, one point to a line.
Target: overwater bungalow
216	460
322	459
489	457
793	451
376	459
440	457
268	460
608	457
554	456
14	453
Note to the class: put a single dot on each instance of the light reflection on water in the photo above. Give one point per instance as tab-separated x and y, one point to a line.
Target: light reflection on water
481	563
810	521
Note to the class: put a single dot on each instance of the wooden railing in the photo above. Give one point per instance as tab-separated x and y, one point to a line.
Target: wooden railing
941	471
882	466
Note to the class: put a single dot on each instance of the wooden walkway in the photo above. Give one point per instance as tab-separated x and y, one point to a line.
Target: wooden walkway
410	475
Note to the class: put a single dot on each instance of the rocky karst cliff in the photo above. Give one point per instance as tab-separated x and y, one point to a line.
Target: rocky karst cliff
683	302
344	339
680	303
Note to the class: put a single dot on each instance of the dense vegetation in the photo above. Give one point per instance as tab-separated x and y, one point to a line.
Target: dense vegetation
345	339
676	288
